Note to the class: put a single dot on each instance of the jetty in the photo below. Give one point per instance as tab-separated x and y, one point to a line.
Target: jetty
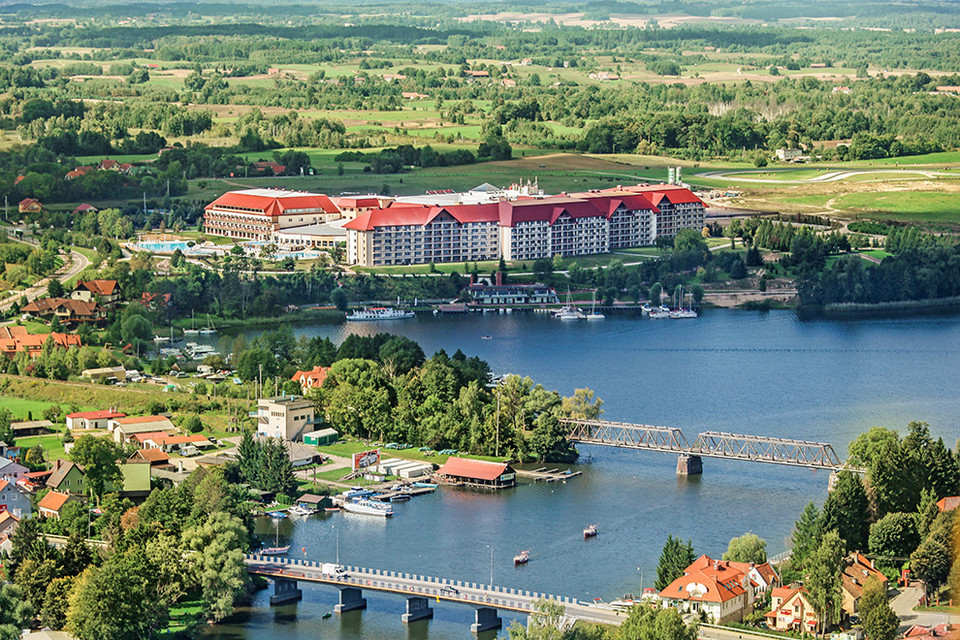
543	474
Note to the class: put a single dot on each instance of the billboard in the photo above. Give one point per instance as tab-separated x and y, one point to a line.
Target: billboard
366	459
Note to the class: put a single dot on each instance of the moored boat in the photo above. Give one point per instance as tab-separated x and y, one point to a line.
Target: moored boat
590	531
368	507
521	558
301	510
274	551
380	313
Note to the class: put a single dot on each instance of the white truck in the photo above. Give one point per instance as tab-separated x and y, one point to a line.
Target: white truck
332	570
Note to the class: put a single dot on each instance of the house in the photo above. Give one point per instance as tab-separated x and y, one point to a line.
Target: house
104	292
948	504
714	587
8	524
302	455
105	373
66	309
85	208
172	443
30	205
477	473
856	570
269	168
311	379
154	301
791	610
764	576
15	339
155	457
92	419
321	437
123	429
10	470
52	504
68	477
285	417
14	499
789	154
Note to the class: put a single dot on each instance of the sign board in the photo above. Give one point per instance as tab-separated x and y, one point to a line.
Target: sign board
366	459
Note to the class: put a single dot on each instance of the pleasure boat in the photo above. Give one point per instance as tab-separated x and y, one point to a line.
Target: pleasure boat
521	558
380	313
590	531
368	507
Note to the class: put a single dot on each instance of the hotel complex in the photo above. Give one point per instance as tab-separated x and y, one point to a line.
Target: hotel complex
520	223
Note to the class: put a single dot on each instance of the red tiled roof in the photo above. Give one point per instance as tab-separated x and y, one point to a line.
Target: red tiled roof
152	455
152	435
706	580
141	419
96	415
265	203
312	378
100	287
477	469
15	339
357	202
54	500
948	504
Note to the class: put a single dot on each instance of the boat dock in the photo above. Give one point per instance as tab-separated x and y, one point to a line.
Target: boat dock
543	474
413	492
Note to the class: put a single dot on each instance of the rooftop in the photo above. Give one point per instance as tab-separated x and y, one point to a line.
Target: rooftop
478	469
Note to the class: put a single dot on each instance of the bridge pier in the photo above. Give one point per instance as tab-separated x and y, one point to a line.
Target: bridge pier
417	609
688	465
350	598
486	619
285	590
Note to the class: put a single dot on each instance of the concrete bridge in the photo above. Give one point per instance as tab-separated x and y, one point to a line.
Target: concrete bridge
419	591
709	444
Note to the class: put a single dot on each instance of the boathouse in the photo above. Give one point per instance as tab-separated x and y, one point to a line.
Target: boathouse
477	473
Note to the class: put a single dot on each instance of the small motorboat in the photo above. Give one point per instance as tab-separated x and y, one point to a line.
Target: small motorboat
521	558
331	509
403	497
486	337
301	510
274	551
327	615
590	531
277	515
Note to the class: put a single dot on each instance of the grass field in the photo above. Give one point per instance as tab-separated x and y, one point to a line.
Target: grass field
906	206
348	448
52	445
20	407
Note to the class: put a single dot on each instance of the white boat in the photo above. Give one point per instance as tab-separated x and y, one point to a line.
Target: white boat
368	507
568	311
380	313
659	313
301	510
192	331
521	558
681	311
590	531
593	315
208	330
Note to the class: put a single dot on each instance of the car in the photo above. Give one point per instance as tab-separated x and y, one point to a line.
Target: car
448	589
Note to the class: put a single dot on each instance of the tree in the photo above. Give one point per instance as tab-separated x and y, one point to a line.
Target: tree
339	299
399	355
98	457
56	602
582	405
738	271
644	623
880	622
656	289
847	510
931	563
545	623
894	535
823	581
55	289
689	240
674	559
15	612
220	541
193	424
806	535
747	548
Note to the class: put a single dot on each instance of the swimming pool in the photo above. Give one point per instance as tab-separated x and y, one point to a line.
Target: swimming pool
162	247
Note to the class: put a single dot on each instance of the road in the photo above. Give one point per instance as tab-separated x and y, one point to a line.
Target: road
904	603
826	176
71	268
433	588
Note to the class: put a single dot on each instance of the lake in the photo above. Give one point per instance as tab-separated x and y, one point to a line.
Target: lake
763	373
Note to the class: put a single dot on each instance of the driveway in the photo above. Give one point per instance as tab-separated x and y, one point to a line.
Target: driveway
904	603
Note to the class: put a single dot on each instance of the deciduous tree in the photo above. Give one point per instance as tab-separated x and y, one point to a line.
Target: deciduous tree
747	548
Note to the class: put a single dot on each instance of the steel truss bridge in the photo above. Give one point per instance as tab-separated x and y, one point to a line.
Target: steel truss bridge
709	444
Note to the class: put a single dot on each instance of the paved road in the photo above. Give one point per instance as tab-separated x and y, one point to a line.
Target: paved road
904	603
433	588
76	263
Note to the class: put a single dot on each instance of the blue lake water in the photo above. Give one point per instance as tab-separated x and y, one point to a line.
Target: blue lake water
741	372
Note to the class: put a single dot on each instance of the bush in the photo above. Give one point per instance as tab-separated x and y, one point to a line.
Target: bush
193	424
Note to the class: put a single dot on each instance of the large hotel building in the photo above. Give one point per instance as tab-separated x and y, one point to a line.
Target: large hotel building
482	224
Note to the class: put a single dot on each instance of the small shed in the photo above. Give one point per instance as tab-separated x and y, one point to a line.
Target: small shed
477	473
321	437
314	501
31	428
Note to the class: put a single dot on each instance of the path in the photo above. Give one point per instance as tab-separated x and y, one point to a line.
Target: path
903	605
72	267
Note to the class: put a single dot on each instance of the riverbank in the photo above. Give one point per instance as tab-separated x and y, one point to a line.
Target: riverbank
927	306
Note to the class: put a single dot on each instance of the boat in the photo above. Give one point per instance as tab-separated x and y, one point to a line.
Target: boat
403	497
276	515
486	337
626	602
210	329
593	315
331	509
568	311
590	531
646	309
521	558
659	313
682	312
301	510
192	331
368	507
326	615
380	313
424	485
276	549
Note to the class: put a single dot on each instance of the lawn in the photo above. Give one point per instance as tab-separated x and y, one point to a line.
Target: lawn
52	445
346	449
21	407
908	206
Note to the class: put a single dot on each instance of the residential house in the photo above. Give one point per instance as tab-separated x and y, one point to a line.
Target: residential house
52	504
789	154
68	477
302	455
764	576
714	587
10	470
155	457
85	208
30	205
311	379
186	445
791	610
15	339
948	504
67	310
857	569
154	301
285	417
111	374
8	524
124	429
106	293
92	419
14	498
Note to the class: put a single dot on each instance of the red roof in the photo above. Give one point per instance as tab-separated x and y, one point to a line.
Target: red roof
54	501
141	419
948	504
103	414
100	287
478	469
167	439
273	202
369	201
312	378
152	455
707	580
152	435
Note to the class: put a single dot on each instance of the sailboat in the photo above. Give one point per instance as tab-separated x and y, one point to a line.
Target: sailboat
275	550
682	312
568	311
661	312
593	315
192	331
209	329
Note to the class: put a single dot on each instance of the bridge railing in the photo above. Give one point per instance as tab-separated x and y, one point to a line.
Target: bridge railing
624	434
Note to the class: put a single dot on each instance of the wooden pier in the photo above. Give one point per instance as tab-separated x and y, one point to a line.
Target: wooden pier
543	474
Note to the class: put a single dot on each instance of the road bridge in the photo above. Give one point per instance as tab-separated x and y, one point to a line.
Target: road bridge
709	444
419	590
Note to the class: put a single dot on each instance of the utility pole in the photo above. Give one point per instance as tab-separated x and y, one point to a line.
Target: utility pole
260	377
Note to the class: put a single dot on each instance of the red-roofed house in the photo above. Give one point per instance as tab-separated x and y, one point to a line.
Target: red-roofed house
13	340
52	503
857	569
105	292
311	379
477	473
948	504
30	205
255	213
791	610
67	309
124	429
721	591
156	457
92	419
85	208
14	499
